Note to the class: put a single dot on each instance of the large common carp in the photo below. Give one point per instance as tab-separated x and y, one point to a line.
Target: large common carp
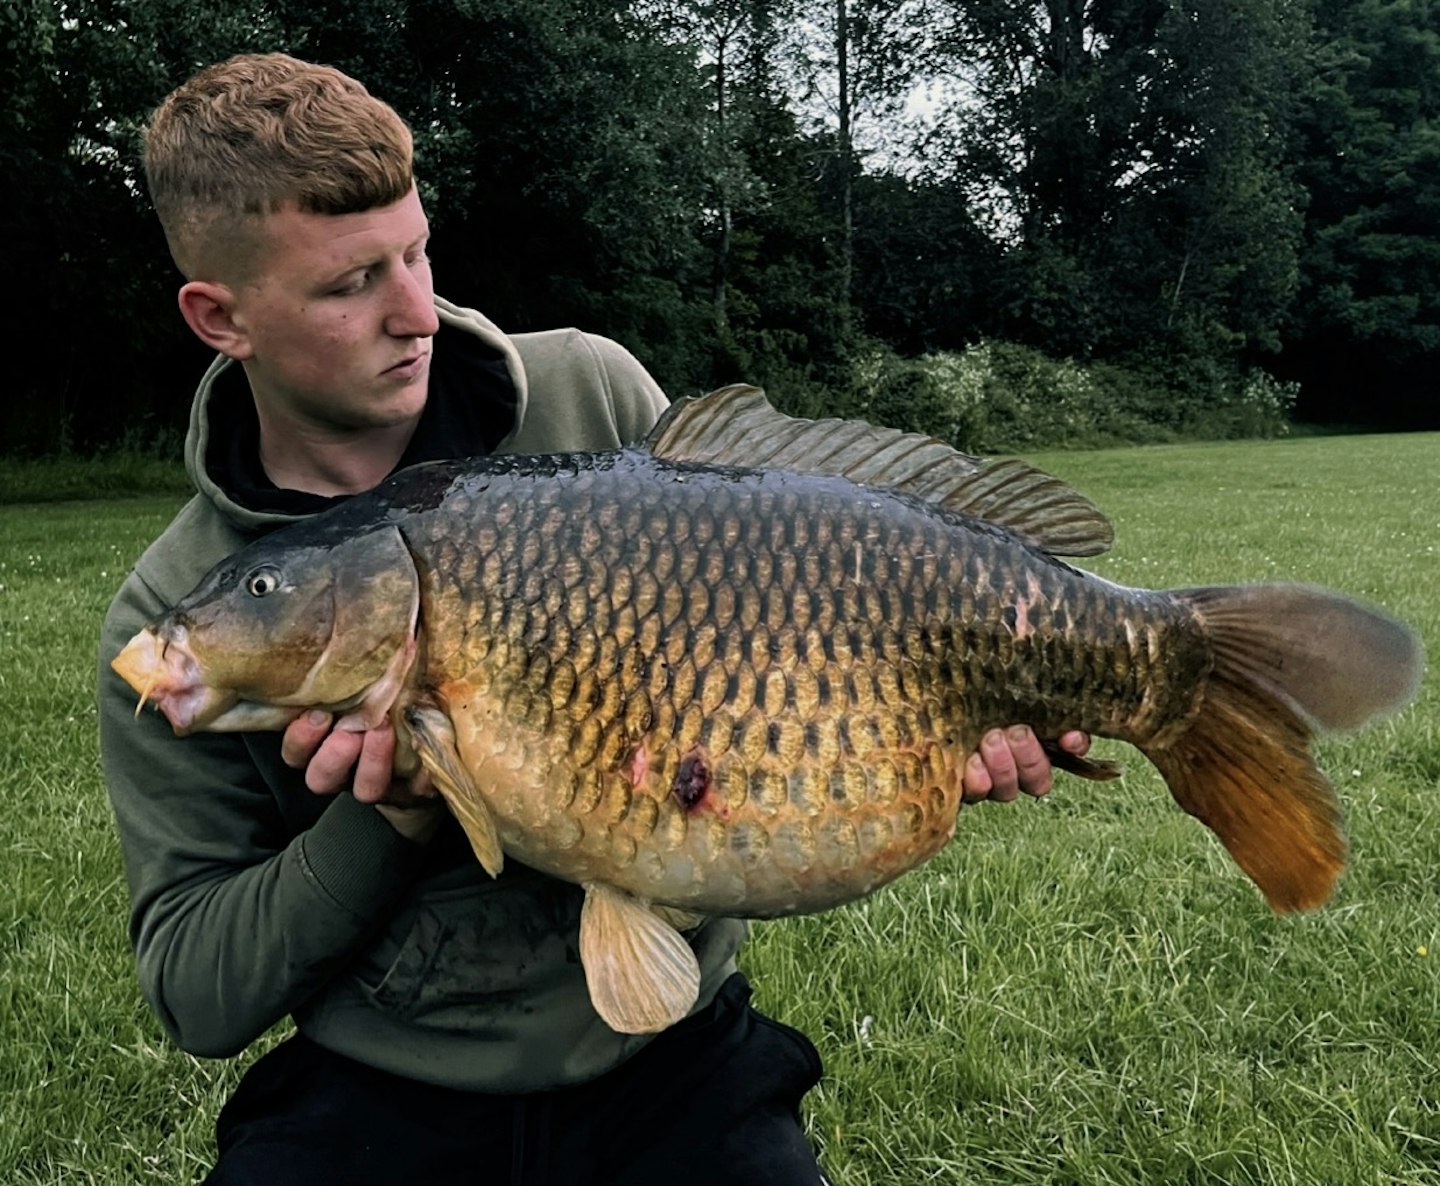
737	670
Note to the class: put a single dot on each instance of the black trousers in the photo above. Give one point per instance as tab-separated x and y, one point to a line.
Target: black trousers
714	1101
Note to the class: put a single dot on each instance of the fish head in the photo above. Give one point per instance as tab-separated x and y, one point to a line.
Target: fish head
294	621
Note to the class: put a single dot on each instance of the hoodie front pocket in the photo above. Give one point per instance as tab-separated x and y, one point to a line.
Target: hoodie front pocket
508	940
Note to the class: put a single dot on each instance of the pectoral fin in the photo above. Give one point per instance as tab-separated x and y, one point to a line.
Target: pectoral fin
642	974
434	740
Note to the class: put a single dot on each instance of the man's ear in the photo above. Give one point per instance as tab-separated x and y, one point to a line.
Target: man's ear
209	310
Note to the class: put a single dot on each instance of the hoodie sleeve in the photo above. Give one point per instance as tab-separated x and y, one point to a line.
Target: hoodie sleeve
247	893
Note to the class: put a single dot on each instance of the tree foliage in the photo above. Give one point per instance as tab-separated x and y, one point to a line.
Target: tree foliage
1183	188
1130	152
1365	334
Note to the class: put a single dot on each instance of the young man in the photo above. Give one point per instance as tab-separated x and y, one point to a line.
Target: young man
445	1032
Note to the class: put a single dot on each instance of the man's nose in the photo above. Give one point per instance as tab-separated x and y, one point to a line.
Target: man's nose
412	313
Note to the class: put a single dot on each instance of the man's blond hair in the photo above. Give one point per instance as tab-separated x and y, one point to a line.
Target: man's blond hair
259	132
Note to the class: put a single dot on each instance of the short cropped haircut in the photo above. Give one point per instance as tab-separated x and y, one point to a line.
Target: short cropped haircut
251	135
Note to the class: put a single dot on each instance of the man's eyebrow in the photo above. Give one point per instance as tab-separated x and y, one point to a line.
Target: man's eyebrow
370	259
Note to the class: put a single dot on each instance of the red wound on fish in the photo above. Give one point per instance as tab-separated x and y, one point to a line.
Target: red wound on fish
638	766
692	780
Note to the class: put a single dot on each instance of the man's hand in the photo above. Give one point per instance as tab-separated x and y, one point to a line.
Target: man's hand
1012	760
335	753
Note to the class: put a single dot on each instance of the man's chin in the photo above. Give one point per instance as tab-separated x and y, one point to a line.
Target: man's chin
393	406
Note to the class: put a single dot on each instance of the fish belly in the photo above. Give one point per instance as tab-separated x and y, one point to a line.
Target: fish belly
752	693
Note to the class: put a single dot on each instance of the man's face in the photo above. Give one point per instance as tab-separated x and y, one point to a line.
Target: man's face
336	322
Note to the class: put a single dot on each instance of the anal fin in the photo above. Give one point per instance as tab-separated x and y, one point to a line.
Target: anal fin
642	975
433	737
1095	769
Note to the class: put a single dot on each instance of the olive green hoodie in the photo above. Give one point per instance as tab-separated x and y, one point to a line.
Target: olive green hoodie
253	899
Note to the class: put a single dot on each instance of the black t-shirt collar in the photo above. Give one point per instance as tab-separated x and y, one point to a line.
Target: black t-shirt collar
470	408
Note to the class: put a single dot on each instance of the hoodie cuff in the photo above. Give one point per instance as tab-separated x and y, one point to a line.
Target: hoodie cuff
357	859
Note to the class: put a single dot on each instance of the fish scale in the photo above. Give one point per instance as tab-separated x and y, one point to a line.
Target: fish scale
830	654
737	669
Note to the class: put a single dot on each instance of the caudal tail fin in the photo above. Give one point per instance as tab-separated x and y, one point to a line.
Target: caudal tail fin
1290	661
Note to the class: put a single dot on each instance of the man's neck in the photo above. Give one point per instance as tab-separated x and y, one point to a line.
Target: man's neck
330	462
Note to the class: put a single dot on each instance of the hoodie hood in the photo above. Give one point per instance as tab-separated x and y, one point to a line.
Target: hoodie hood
198	437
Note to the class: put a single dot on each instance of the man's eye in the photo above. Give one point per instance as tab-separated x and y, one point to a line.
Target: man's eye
262	582
352	286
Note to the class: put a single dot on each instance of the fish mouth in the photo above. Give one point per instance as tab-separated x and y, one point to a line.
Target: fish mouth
159	665
165	674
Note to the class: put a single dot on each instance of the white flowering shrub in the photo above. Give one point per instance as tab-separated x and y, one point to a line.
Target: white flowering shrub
1001	397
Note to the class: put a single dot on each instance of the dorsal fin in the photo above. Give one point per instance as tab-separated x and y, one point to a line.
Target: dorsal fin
737	426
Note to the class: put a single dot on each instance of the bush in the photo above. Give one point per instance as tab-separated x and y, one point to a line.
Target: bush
115	474
999	397
146	459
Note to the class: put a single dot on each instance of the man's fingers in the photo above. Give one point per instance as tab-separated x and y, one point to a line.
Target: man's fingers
1032	764
303	737
1012	761
1075	742
999	761
347	753
975	782
376	765
329	770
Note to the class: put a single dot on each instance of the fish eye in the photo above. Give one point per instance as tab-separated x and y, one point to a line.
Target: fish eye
262	581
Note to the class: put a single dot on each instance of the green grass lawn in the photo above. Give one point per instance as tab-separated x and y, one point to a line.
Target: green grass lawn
1080	990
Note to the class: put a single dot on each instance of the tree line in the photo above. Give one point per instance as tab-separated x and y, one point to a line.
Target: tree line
1107	217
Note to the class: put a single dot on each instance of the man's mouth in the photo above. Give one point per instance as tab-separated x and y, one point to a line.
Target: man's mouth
410	365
